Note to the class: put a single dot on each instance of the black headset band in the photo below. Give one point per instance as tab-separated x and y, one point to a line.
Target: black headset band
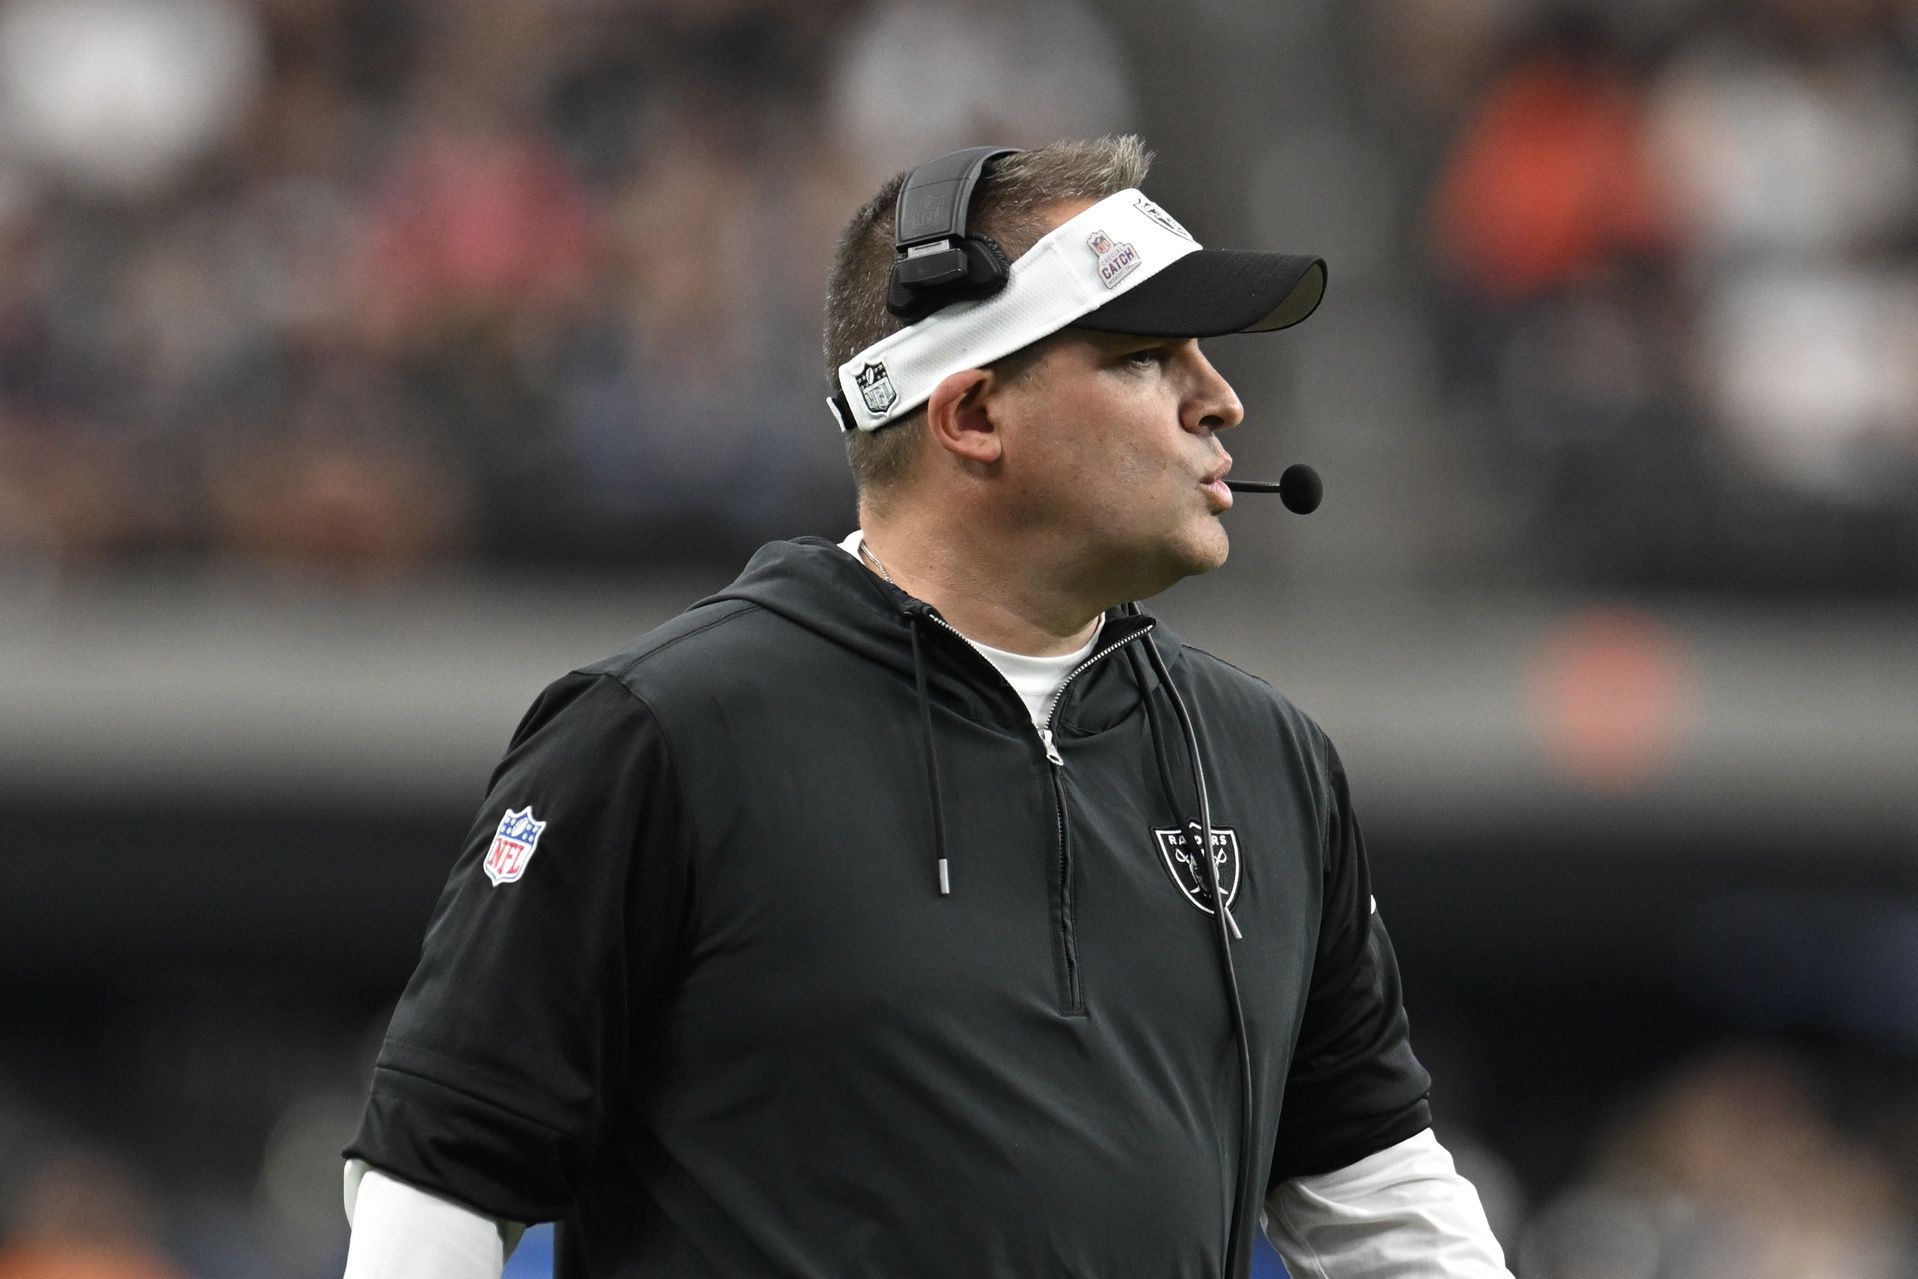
936	262
935	196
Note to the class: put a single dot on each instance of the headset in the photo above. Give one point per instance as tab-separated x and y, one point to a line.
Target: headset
938	263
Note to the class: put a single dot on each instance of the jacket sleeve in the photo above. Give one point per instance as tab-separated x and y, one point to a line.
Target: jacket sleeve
1354	1087
505	1056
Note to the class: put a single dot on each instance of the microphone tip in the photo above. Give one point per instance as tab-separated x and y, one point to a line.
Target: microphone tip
1301	489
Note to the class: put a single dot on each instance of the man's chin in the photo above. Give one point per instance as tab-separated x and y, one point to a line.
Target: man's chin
1211	550
1190	558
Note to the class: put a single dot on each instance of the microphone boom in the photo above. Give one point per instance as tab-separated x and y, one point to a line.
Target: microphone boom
1299	487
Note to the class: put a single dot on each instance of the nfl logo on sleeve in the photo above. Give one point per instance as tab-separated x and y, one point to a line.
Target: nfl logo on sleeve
513	845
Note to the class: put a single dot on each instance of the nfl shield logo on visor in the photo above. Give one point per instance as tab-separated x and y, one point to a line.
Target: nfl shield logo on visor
513	845
1117	259
876	388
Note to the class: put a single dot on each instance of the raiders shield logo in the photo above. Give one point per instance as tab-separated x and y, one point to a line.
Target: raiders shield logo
1179	852
876	388
1160	216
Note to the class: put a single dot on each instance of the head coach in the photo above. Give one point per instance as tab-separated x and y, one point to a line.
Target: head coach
920	905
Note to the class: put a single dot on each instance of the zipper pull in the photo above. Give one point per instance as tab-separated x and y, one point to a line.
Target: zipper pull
1052	751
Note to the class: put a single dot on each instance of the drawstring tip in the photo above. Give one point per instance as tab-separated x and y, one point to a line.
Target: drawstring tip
945	884
1236	934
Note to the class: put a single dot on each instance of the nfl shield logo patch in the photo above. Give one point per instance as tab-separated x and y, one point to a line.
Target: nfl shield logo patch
1116	258
1179	852
513	845
875	387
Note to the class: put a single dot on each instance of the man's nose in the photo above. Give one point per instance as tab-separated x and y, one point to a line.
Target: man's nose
1212	404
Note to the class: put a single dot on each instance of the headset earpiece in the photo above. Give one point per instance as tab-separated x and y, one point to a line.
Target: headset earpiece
938	263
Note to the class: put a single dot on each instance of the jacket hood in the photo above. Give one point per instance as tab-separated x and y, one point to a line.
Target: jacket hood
813	583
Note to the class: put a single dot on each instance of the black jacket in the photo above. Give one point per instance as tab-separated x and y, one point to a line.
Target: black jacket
726	1023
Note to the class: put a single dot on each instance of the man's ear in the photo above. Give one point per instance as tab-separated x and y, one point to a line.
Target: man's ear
959	415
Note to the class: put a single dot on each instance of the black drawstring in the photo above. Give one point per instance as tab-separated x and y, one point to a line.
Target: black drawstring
1158	733
1237	1262
932	756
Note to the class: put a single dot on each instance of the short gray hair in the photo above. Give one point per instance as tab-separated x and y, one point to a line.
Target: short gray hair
1008	205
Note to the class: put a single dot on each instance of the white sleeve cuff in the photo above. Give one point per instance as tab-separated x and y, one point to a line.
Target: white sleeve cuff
403	1232
1402	1213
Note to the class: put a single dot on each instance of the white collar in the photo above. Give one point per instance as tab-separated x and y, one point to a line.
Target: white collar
1037	680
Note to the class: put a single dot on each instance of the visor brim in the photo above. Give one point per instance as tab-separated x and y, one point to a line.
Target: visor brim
1216	291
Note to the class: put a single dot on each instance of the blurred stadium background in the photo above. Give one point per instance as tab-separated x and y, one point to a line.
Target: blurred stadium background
365	363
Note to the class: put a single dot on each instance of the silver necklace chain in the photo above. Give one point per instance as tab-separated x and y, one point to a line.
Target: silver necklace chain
867	552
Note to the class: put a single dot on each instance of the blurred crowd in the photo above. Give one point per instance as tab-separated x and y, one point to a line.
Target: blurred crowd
357	286
350	286
1737	1166
1674	258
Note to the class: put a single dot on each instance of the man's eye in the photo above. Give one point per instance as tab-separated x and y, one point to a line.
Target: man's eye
1146	358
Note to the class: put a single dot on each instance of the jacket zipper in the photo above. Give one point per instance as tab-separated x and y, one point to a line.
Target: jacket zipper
1074	993
1073	996
1046	741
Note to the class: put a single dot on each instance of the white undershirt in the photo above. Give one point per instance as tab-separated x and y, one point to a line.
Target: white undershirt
1037	680
403	1232
1403	1213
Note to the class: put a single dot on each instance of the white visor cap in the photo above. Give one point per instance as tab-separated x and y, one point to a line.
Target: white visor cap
1124	265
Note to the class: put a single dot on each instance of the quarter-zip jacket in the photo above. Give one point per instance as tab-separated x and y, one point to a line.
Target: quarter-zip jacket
727	1023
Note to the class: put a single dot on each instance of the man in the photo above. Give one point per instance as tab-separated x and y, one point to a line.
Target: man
861	921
